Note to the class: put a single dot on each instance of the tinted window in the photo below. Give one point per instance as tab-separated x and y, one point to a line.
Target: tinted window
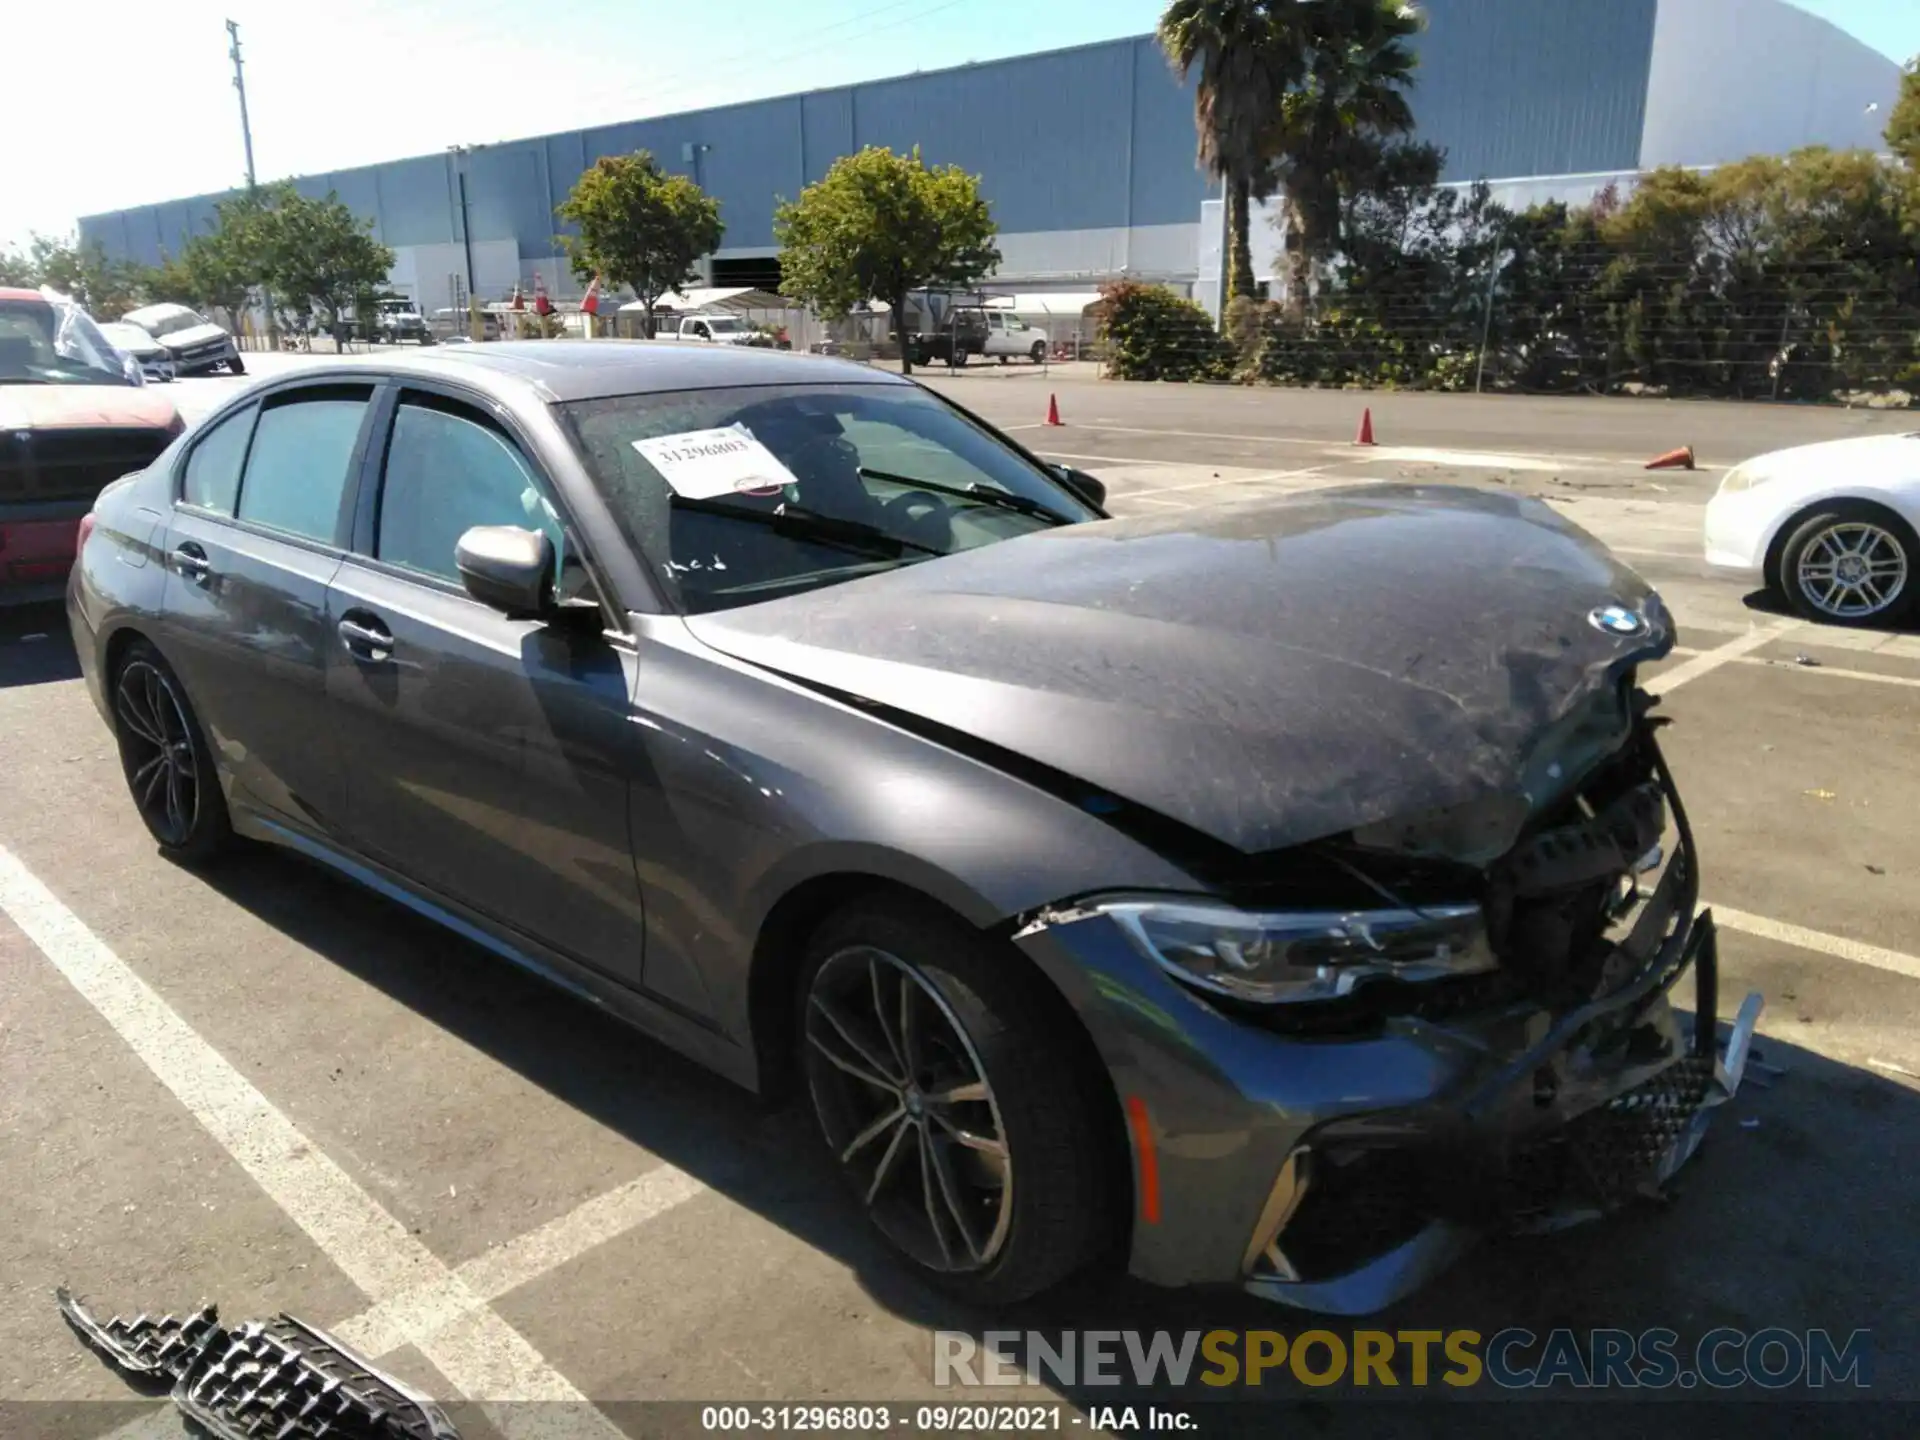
297	468
916	477
447	471
213	465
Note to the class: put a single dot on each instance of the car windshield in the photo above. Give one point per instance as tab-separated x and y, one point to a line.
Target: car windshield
175	323
739	495
53	342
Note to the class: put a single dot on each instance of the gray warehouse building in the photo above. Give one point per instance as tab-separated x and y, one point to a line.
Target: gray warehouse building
1087	154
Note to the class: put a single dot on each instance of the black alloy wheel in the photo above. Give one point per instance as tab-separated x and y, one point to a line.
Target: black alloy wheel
970	1134
164	757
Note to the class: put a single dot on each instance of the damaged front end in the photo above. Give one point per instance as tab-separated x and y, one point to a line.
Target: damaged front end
1470	1029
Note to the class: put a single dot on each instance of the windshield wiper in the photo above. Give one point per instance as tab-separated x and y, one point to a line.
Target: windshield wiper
990	494
804	524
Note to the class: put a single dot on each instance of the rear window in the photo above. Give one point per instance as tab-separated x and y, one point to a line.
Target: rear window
297	466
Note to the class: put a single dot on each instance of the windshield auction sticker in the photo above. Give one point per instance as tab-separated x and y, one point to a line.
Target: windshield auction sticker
706	464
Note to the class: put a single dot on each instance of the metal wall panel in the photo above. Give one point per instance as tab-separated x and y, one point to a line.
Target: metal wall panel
1087	140
1534	87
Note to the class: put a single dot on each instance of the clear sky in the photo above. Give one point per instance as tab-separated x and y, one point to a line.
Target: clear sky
125	102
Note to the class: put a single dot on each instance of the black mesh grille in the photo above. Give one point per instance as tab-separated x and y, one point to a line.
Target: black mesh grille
48	465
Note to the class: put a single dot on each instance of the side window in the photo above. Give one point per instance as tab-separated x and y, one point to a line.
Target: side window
297	467
212	478
447	471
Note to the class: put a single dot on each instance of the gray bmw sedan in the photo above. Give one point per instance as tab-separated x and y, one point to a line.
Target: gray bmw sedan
1282	894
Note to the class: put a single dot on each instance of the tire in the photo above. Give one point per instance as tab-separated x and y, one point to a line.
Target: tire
1039	352
236	366
154	726
979	1020
1850	538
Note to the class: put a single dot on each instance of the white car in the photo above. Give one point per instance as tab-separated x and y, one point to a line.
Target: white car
1833	529
148	353
195	343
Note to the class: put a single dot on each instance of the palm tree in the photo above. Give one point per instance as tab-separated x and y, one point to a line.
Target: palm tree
1247	53
1330	130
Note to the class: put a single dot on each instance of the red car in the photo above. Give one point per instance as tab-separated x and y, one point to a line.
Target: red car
74	417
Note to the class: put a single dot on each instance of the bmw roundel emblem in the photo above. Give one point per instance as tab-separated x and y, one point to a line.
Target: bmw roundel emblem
1616	620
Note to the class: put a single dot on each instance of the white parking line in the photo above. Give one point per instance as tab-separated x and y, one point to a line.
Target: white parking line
1834	672
485	1358
505	1268
1713	659
1838	946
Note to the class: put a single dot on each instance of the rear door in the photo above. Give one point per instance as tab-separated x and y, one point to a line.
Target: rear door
487	757
260	522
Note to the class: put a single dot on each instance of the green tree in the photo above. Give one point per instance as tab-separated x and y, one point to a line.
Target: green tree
1247	53
879	225
107	288
1331	130
316	255
17	269
1903	125
639	226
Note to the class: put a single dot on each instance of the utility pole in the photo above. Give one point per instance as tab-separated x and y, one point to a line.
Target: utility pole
240	84
246	137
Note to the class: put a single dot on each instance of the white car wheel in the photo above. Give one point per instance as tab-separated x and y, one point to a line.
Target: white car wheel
1850	563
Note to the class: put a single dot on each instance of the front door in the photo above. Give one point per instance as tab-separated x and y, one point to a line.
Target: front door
486	757
256	535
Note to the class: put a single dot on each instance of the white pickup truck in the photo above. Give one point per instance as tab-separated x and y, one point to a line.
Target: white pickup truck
712	330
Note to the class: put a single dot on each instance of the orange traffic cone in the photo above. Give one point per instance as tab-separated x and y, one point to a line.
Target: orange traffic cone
1681	459
1365	437
1053	411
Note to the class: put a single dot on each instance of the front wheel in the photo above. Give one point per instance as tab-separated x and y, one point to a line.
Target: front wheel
1851	563
236	366
164	755
970	1133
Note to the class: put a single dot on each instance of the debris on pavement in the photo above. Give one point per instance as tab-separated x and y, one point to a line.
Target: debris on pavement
280	1378
1818	794
1876	869
1807	660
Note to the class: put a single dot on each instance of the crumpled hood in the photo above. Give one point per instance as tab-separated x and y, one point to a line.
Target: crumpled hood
1267	672
30	407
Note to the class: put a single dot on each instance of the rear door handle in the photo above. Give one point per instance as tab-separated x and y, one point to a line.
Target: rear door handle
191	562
366	638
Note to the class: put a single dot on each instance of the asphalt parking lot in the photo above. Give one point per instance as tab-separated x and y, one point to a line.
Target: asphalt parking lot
268	1088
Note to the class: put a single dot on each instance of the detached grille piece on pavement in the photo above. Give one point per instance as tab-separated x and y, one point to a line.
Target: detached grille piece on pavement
278	1380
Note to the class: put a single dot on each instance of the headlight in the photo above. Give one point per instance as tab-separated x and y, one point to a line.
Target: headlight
1289	956
1740	478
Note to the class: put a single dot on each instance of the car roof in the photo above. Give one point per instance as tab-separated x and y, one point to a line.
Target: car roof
564	370
14	292
158	312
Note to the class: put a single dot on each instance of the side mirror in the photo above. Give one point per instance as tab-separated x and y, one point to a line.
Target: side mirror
507	568
1093	491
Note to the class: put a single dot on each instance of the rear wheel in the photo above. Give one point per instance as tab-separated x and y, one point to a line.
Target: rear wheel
1851	563
164	755
970	1134
1039	351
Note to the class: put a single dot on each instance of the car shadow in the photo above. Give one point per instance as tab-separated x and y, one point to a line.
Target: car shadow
1787	1218
1766	602
36	648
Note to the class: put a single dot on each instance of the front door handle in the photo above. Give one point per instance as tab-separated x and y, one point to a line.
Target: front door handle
191	562
366	638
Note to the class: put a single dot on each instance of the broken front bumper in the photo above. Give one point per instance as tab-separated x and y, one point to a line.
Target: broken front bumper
1339	1172
1566	1132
